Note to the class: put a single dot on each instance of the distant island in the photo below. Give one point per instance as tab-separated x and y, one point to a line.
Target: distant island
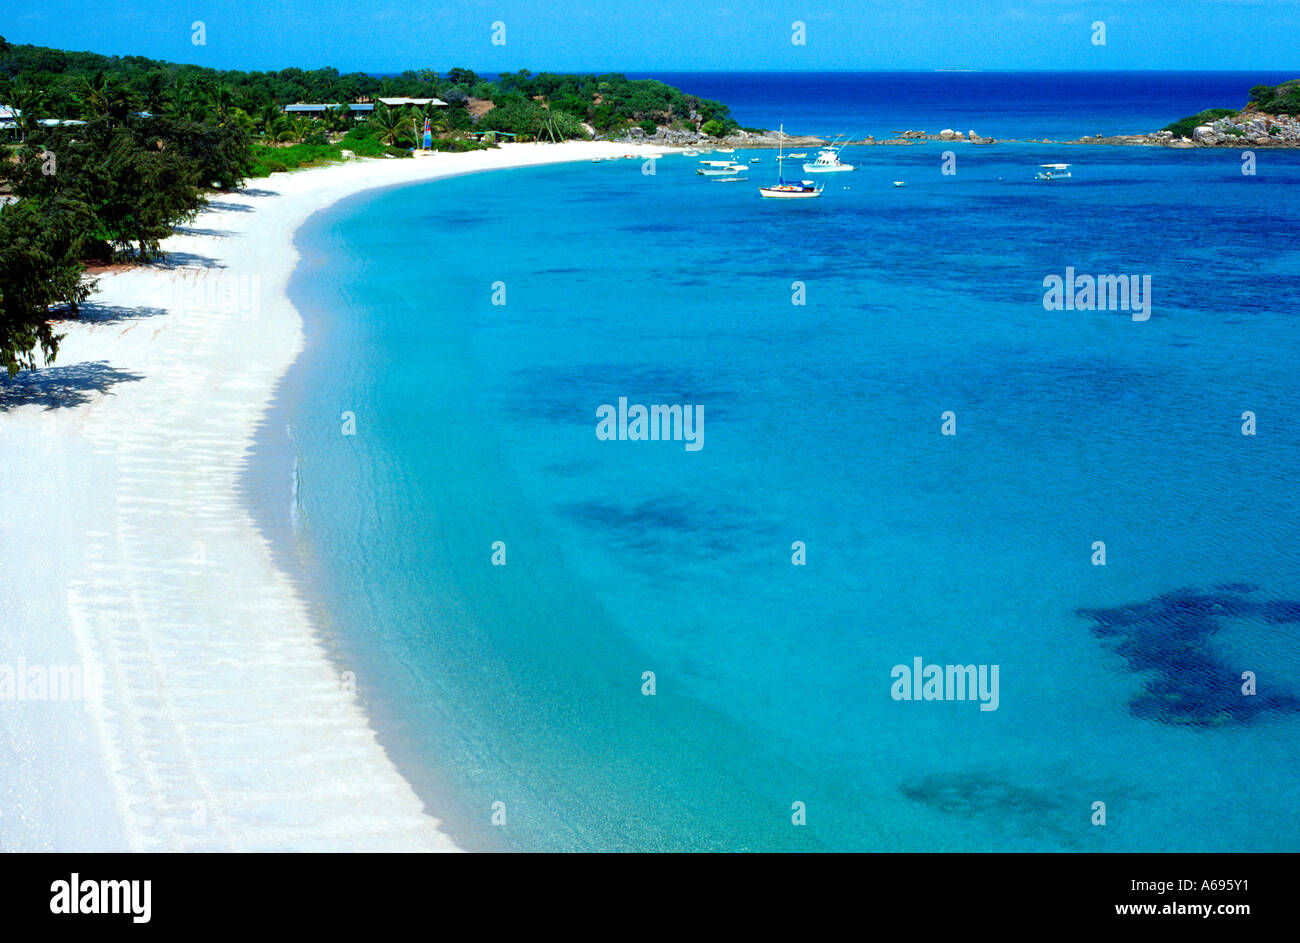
1271	118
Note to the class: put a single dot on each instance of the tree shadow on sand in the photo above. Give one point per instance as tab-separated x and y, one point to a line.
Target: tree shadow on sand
91	312
198	231
223	207
1169	639
61	387
171	260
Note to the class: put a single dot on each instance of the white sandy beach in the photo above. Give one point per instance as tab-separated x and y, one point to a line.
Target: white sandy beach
222	723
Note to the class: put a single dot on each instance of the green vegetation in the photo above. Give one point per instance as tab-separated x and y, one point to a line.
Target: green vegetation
1281	99
141	142
609	103
363	142
1185	126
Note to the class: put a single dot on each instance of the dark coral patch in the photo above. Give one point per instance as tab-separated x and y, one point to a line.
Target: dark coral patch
1169	638
1020	812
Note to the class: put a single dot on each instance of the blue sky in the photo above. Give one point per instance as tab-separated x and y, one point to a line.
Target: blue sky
666	35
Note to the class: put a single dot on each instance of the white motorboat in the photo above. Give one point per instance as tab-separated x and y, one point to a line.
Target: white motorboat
828	162
722	170
1053	172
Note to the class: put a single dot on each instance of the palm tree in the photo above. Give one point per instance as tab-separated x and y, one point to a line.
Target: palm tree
282	132
339	119
390	124
223	103
194	98
302	127
437	120
267	117
28	103
92	94
155	93
190	99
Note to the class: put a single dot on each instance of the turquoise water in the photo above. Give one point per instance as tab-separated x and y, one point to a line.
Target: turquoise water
522	684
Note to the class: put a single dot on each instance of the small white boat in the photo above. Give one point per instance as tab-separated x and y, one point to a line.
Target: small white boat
900	183
799	156
1053	172
597	160
726	170
726	150
755	160
690	153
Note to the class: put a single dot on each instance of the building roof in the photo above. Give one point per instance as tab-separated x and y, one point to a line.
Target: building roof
437	102
319	108
7	122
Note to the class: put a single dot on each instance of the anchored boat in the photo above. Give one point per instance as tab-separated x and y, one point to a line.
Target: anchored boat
720	168
828	161
782	190
1053	172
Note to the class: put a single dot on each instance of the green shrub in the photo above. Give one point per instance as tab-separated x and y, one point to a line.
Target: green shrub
1281	99
1185	126
265	166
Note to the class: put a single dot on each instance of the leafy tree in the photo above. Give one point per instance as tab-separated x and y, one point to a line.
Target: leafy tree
136	178
38	272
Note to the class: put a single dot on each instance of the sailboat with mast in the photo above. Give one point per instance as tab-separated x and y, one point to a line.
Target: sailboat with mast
782	190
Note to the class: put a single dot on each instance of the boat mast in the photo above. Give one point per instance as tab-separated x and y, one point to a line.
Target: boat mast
780	154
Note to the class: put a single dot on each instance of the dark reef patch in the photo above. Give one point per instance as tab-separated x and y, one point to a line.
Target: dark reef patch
684	525
1038	814
1170	637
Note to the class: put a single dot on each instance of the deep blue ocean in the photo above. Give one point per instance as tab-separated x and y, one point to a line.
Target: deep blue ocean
1056	105
476	422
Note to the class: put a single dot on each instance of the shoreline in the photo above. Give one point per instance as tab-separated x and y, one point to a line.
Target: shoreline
222	722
